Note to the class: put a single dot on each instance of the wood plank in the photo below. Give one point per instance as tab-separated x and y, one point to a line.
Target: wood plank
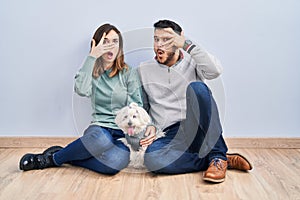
276	175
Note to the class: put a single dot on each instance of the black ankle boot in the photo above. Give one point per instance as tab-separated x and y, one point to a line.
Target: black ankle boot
39	161
52	149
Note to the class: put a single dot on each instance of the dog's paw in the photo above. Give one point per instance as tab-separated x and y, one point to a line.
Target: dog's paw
160	134
124	141
137	159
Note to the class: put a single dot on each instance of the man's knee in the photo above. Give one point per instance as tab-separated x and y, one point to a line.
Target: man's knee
153	158
152	161
198	87
116	162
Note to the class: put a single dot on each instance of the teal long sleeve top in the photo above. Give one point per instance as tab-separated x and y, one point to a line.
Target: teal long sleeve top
107	94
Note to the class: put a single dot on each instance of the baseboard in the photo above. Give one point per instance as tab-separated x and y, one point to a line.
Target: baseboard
42	142
36	142
264	143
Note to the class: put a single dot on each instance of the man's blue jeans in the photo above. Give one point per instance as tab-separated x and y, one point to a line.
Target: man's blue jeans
190	145
98	149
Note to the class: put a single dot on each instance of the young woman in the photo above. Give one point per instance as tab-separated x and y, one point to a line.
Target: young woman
110	84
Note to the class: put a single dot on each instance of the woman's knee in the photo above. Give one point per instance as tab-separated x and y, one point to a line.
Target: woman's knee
95	136
95	131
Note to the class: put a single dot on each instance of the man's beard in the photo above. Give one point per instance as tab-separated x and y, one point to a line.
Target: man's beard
170	56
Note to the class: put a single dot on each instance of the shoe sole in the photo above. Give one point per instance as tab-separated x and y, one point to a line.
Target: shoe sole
214	180
237	154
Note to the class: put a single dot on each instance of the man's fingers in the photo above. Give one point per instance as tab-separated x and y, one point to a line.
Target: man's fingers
147	141
169	30
150	130
168	43
147	132
150	137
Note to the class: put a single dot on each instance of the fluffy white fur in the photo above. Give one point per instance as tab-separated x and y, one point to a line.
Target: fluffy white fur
133	121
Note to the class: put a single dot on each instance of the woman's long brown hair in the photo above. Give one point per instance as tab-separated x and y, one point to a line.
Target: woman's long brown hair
119	63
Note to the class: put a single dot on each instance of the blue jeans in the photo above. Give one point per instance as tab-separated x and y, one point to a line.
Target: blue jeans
98	149
191	144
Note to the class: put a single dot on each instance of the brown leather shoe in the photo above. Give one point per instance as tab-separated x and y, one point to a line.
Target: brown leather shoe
216	171
237	161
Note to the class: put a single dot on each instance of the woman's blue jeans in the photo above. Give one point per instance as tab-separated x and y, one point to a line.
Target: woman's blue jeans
190	145
98	149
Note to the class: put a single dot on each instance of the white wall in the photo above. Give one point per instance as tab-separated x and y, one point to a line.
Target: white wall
43	44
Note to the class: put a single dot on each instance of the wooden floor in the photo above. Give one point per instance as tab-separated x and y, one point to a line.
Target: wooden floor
276	175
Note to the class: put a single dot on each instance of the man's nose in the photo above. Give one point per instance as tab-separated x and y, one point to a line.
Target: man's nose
159	44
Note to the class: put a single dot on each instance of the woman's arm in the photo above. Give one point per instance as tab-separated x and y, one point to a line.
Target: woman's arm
134	88
83	79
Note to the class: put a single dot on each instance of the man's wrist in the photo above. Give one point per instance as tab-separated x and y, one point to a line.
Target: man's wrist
188	46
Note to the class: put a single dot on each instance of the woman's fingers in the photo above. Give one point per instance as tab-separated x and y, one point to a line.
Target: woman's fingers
102	39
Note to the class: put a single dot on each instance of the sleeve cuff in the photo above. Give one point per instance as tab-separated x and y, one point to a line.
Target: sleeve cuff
88	64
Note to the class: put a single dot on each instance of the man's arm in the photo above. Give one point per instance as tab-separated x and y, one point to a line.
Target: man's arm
207	66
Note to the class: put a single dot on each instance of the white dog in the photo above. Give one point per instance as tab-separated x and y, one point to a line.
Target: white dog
133	121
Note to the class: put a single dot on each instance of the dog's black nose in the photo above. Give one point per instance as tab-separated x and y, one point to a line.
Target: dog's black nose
129	123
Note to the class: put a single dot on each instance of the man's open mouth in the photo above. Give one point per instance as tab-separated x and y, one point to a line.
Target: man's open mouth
160	52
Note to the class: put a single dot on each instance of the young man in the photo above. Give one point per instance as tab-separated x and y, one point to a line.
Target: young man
183	106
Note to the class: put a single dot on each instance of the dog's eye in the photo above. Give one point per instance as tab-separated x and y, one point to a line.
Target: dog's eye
134	116
125	117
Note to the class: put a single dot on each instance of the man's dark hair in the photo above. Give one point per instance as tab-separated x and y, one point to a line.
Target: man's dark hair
168	24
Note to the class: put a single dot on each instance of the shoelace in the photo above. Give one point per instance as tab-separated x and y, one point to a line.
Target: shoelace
217	163
233	161
41	161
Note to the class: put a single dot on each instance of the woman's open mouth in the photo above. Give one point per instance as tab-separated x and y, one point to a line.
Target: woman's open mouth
109	55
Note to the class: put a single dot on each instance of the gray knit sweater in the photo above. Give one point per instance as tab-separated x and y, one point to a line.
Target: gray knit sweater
134	141
165	87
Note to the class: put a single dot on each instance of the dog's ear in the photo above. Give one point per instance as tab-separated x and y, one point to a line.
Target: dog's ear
133	105
144	115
